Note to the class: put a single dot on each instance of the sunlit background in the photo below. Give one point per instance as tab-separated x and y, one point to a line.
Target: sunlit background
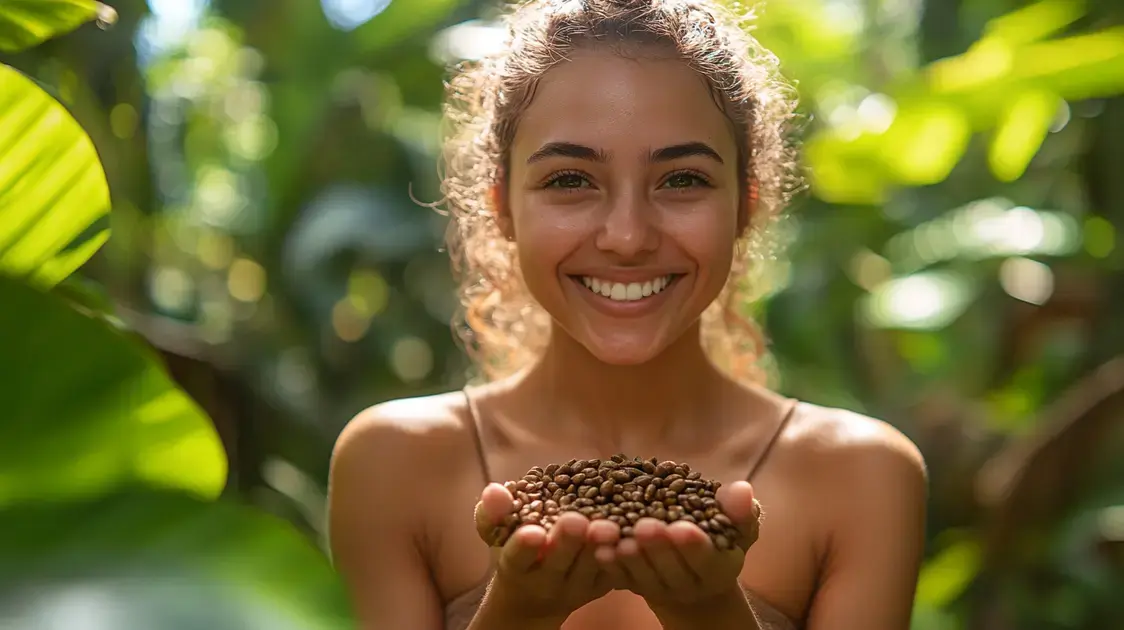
952	268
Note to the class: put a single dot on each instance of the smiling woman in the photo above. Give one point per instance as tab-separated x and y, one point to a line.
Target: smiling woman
611	175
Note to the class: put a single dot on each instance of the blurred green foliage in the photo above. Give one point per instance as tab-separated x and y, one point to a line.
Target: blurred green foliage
954	268
108	470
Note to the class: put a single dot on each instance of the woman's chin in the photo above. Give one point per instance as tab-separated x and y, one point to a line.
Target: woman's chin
625	353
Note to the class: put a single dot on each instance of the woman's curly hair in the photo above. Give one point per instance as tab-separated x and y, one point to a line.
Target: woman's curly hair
500	324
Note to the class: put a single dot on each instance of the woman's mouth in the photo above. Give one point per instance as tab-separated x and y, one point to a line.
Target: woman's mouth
627	291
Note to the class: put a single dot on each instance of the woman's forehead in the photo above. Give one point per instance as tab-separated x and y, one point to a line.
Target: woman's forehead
597	99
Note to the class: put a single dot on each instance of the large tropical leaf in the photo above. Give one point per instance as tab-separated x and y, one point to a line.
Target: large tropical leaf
87	408
53	191
27	23
164	560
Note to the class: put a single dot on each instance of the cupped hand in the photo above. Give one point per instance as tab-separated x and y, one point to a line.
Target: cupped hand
541	574
677	565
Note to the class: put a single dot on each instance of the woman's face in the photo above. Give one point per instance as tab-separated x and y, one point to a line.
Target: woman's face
623	199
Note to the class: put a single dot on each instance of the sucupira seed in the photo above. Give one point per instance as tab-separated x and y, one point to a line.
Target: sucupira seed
621	490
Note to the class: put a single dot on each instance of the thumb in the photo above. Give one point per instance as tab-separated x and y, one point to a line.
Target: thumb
743	509
494	505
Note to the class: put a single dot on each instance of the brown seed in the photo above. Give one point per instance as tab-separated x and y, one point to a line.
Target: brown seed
694	475
649	493
595	480
680	471
616	511
586	510
687	517
578	479
620	476
590	492
678	486
535	505
698	515
550	470
583	502
579	464
562	480
643	480
665	468
566	499
618	458
618	499
517	505
632	517
723	520
659	514
593	463
600	499
722	542
608	488
564	469
522	485
510	486
649	466
626	531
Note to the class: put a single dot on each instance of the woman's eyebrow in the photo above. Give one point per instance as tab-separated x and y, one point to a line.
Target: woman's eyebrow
568	149
687	149
582	152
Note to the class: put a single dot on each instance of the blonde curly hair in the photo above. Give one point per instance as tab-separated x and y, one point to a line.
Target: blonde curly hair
501	326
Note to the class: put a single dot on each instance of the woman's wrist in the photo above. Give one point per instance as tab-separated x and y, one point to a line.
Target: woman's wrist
726	611
503	611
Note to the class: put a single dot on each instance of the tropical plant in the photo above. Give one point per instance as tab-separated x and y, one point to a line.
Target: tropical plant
110	476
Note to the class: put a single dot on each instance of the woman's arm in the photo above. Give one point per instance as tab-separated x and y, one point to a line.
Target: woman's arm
878	534
373	526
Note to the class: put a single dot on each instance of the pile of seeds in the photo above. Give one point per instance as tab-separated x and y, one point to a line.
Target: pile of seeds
621	490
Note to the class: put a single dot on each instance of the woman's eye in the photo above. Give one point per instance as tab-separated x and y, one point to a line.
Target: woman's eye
685	180
567	181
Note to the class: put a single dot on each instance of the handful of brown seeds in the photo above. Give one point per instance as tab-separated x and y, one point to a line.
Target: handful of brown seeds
621	490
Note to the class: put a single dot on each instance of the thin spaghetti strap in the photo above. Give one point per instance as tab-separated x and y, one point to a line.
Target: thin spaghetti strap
773	440
477	438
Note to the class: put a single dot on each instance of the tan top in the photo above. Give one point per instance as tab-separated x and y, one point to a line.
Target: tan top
460	611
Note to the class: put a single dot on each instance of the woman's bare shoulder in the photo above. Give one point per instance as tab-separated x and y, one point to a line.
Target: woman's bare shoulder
417	434
837	441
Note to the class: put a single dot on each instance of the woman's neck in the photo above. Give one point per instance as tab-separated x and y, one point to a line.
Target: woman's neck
676	396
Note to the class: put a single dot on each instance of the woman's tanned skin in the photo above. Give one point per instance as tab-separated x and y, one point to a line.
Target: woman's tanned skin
843	495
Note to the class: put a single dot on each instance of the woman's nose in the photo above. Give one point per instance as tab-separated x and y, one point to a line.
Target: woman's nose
628	230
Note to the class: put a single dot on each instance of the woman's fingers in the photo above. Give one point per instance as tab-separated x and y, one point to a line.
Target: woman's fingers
665	553
564	543
741	506
522	550
640	573
495	503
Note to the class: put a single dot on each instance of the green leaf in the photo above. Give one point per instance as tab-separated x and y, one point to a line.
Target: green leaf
946	576
399	21
87	409
28	23
166	560
53	191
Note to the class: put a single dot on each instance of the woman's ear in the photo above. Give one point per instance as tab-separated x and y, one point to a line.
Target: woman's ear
500	207
749	206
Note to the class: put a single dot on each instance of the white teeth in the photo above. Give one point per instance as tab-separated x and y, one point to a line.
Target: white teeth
626	292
